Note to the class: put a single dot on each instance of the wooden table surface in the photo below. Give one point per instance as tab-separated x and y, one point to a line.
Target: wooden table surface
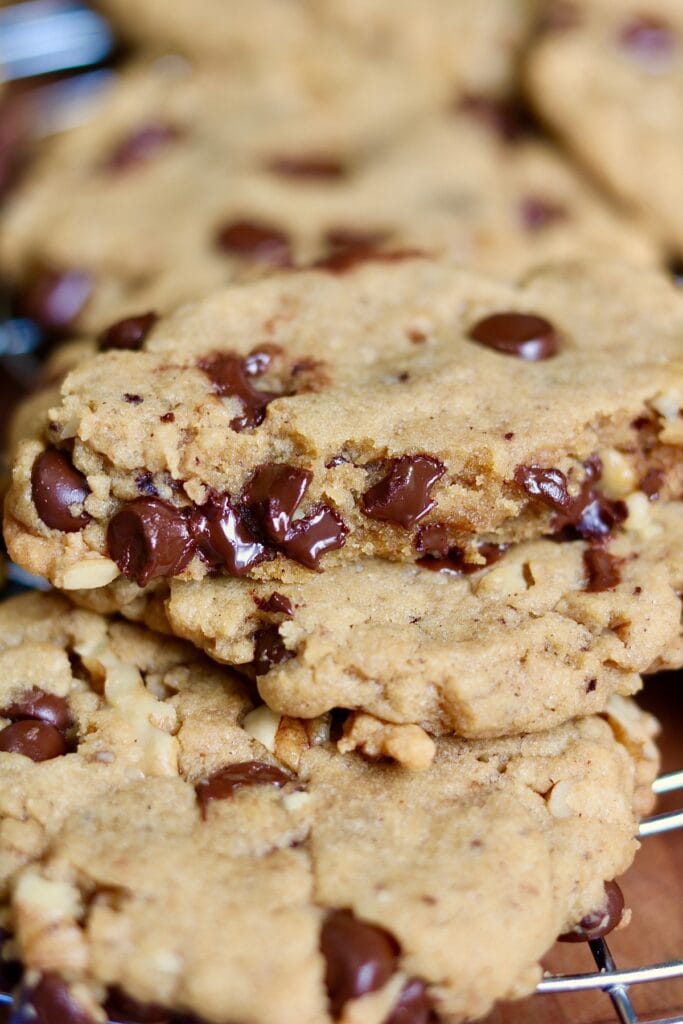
653	889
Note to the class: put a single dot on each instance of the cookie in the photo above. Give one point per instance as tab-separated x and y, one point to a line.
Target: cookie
160	846
547	631
183	182
391	408
608	78
470	45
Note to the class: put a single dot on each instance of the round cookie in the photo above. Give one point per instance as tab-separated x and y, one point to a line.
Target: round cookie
161	845
182	182
317	417
607	76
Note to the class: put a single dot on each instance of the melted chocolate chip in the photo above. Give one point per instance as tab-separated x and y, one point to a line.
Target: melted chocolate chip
57	487
269	650
546	485
274	493
402	496
648	38
54	299
440	557
231	375
261	243
354	255
149	538
128	334
319	531
140	146
224	538
602	570
224	783
32	738
120	1007
46	707
276	604
537	213
52	1003
601	921
591	515
523	335
652	483
308	167
413	1006
360	958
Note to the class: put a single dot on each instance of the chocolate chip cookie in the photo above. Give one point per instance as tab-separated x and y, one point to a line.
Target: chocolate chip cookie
167	848
182	182
470	45
608	77
394	408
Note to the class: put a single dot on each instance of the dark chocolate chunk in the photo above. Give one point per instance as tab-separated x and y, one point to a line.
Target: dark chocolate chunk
141	145
54	298
224	538
224	783
276	604
150	538
45	707
453	560
414	1005
231	375
33	738
546	485
274	493
51	1002
402	495
322	529
359	957
261	243
602	570
269	650
523	335
601	921
128	334
57	487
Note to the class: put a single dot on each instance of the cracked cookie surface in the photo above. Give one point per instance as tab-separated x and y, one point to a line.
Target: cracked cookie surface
155	849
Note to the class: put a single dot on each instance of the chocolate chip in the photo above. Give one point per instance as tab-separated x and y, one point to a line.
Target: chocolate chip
546	485
46	707
353	256
359	957
224	538
132	399
601	921
231	375
51	1002
537	213
308	167
168	417
54	298
602	570
276	604
128	334
442	558
121	1007
523	335
590	515
223	784
321	530
648	38
652	483
269	650
261	243
274	493
141	145
57	488
402	496
149	538
414	1005
32	738
433	540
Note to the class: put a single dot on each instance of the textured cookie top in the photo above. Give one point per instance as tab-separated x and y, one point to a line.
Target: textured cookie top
181	182
609	78
319	416
470	45
163	841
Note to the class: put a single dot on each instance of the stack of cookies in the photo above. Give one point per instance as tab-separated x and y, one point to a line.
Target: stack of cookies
360	478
